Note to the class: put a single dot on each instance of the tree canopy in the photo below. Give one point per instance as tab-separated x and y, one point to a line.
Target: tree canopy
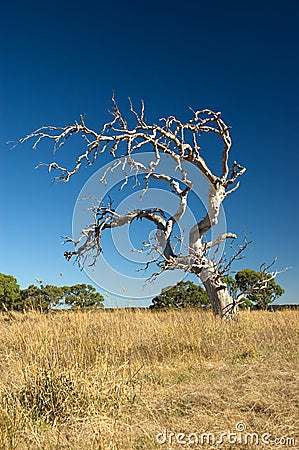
82	296
9	292
259	288
38	297
184	294
79	296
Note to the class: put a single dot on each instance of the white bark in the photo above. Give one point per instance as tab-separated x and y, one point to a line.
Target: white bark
222	303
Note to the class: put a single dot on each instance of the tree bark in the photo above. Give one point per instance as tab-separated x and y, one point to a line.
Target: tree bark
223	305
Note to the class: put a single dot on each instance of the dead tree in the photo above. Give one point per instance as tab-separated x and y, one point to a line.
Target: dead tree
180	141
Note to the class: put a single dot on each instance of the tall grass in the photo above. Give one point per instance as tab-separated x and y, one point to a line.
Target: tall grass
114	380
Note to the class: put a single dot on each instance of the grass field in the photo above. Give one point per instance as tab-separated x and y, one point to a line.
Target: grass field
116	380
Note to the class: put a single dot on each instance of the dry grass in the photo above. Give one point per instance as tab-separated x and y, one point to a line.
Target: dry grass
114	380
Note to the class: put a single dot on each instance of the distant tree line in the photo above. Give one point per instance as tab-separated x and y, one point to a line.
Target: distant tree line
184	294
46	297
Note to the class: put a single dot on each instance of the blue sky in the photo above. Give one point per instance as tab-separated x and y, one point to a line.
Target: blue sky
63	59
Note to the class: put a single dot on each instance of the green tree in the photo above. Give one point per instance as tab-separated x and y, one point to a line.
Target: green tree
259	288
9	292
232	285
234	290
82	296
41	297
183	295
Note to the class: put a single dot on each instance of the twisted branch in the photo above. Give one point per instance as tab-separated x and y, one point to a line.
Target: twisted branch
172	137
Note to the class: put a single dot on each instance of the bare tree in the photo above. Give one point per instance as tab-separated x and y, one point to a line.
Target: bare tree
180	141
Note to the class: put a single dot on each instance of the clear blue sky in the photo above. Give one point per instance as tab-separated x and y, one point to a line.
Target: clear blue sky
61	59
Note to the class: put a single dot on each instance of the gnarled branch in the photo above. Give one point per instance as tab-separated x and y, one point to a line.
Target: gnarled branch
181	142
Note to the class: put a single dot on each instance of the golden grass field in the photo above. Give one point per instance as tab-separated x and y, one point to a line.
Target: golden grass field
115	380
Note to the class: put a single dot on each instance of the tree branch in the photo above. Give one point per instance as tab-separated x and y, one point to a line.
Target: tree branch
169	139
177	139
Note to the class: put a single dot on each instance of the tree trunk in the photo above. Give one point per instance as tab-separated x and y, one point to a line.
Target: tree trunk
223	305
